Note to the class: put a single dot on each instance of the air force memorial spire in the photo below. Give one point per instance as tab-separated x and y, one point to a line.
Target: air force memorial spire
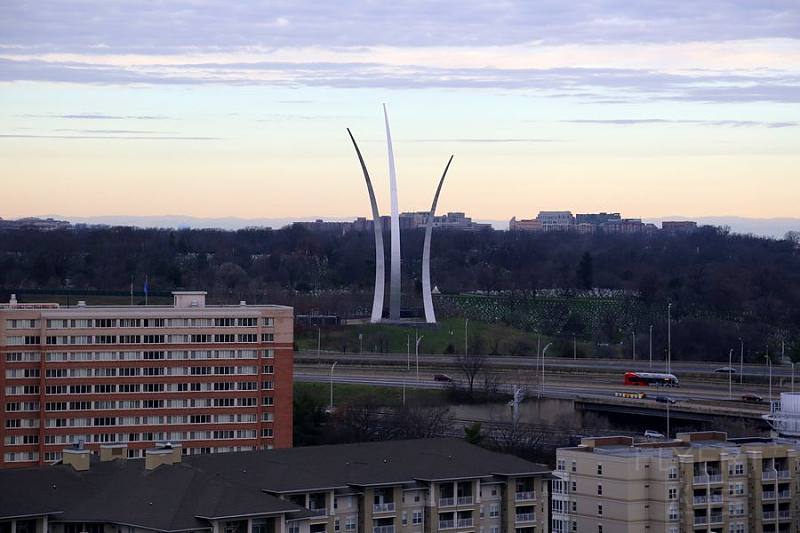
395	272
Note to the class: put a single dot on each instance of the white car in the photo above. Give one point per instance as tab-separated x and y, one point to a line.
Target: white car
650	434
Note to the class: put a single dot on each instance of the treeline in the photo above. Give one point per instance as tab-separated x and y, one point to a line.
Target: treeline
725	283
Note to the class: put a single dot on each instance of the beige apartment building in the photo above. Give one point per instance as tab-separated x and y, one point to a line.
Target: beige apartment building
699	482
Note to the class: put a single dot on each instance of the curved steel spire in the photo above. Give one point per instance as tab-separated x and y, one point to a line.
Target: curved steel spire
427	298
380	269
394	275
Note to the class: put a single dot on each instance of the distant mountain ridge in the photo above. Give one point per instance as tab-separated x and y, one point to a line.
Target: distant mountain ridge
766	227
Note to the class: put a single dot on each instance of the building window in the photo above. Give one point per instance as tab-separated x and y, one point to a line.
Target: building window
673	472
599	470
599	490
574	466
673	493
599	510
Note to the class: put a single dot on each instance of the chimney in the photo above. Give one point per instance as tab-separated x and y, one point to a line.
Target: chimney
109	452
77	458
165	453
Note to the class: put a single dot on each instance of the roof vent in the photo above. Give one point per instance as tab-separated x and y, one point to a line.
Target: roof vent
165	453
77	458
242	302
81	303
13	299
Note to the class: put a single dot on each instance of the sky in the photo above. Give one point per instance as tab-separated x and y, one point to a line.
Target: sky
216	109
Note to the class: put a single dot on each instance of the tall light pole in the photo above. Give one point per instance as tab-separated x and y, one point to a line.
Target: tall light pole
633	344
416	351
730	374
792	378
769	362
319	342
332	367
466	323
741	360
669	338
574	347
651	346
408	349
360	343
544	351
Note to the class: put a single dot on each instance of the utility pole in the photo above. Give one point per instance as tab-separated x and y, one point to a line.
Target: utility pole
466	323
319	343
633	344
730	374
416	350
543	354
651	346
741	360
408	349
574	347
769	362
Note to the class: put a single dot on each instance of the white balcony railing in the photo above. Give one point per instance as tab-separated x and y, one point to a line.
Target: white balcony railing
700	480
715	519
319	511
700	520
785	494
699	500
524	496
784	474
785	514
769	515
769	495
465	522
447	524
383	529
715	478
383	507
769	474
525	517
715	498
447	502
464	500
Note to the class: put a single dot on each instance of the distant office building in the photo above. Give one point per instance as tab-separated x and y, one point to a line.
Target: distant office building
596	218
697	482
626	225
214	377
530	224
556	220
679	226
417	486
325	226
408	221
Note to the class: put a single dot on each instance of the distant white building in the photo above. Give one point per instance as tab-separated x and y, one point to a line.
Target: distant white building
556	220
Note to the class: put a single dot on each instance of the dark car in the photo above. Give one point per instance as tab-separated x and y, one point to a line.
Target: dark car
725	370
665	399
752	398
442	377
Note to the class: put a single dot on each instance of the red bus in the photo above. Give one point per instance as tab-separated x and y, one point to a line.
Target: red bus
644	379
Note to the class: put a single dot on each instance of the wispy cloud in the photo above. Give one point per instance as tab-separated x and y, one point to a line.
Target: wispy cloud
728	123
112	137
94	116
485	140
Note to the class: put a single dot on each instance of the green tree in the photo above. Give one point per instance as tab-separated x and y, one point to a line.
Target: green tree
472	433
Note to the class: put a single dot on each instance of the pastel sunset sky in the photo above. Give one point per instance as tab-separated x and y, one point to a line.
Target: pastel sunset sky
218	109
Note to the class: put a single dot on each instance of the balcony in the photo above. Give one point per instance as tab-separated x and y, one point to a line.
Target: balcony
784	474
769	475
447	502
769	515
715	498
383	507
383	529
700	520
785	514
525	517
464	522
716	518
700	500
464	500
318	511
447	524
768	495
524	496
701	480
715	478
785	494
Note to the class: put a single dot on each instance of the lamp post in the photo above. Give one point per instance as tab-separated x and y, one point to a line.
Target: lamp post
319	342
416	351
466	323
633	344
360	343
544	351
730	374
332	367
574	347
651	346
769	363
669	338
792	378
408	350
741	360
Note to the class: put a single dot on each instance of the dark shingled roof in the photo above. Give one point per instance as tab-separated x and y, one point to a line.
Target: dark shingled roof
172	497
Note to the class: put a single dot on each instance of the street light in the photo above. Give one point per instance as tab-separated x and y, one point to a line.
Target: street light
416	351
651	346
544	351
669	338
466	323
741	360
792	378
730	374
769	362
332	367
319	342
574	347
633	344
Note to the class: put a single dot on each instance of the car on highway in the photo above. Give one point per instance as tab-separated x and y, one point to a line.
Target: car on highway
752	398
725	370
650	434
665	399
442	377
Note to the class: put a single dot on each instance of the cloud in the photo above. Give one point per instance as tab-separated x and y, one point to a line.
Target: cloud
487	140
114	137
95	116
729	123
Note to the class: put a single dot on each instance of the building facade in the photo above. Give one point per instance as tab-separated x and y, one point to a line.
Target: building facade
415	486
699	482
216	378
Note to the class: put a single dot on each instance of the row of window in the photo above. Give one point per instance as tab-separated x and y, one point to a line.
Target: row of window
85	323
139	404
12	457
128	388
54	373
145	436
194	338
14	357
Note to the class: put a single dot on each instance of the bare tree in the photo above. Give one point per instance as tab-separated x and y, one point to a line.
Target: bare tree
471	364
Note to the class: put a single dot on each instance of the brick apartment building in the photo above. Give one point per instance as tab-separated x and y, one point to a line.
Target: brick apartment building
213	377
